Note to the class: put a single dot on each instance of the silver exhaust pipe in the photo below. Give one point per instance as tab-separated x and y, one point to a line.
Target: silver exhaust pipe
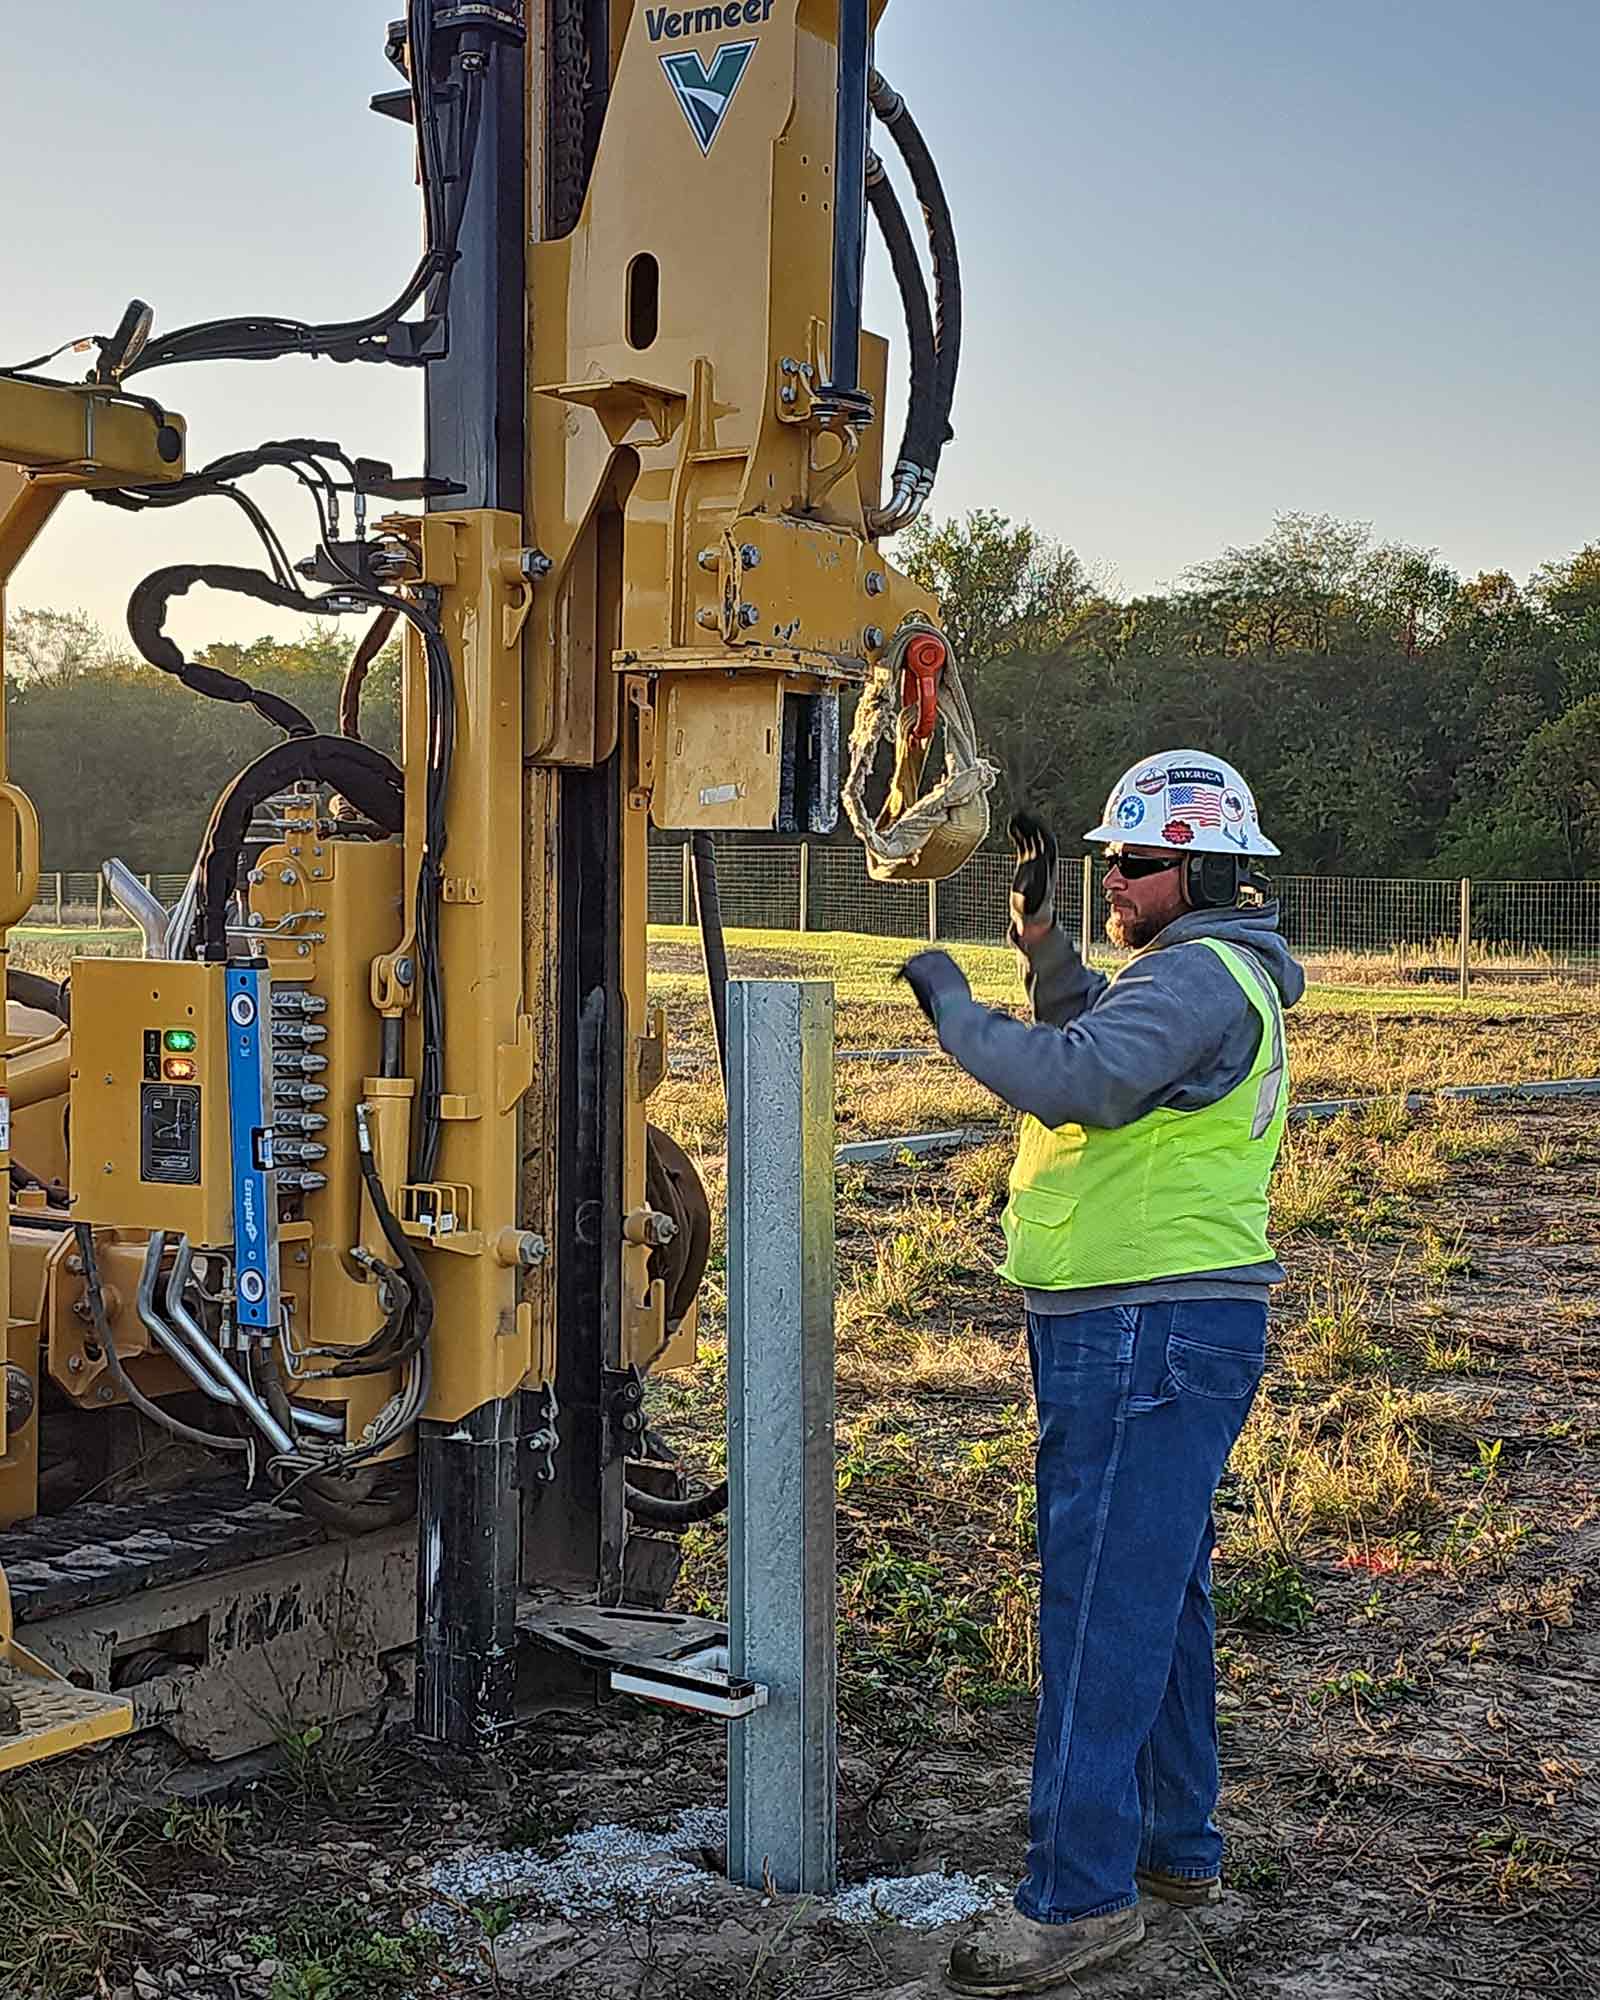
136	901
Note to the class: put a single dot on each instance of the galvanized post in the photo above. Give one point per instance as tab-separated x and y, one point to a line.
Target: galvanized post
59	917
99	902
1086	917
933	913
1463	967
688	886
805	885
782	1611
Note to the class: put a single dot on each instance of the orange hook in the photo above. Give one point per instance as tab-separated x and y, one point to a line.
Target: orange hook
926	658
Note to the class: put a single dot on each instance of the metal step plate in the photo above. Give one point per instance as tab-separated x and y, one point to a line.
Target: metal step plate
41	1716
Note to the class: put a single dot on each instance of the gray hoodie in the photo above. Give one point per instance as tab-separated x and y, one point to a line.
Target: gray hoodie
1175	1030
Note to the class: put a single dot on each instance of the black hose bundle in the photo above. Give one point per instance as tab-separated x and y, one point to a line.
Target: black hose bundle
892	111
363	775
918	445
147	613
933	380
381	335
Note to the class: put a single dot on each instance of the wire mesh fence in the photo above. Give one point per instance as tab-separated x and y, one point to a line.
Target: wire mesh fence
1344	926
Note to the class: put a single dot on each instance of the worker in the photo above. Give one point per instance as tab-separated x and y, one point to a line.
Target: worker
1153	1104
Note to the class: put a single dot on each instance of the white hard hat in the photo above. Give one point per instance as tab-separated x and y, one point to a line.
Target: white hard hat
1185	799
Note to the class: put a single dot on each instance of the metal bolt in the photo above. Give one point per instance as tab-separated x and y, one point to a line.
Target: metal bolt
536	563
404	971
110	1169
873	637
809	372
105	1393
75	1265
255	875
749	614
877	583
791	394
109	1077
790	365
531	1251
286	877
707	559
708	619
304	950
74	1364
750	556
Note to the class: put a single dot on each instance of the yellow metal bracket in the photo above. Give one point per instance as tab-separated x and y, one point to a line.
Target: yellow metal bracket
623	405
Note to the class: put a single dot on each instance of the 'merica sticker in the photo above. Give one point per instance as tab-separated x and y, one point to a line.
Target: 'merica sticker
1194	774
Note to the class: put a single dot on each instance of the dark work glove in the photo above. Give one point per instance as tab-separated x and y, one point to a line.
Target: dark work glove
935	979
1033	886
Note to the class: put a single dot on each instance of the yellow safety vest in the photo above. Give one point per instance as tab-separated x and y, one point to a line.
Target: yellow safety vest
1173	1193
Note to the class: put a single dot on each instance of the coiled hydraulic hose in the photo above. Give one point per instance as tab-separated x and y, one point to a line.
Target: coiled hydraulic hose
914	477
918	448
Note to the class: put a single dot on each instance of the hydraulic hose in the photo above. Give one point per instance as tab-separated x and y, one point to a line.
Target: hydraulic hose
328	1499
84	1236
918	446
713	945
365	776
892	112
657	1512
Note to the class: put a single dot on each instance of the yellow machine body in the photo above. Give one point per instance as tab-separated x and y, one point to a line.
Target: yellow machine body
693	556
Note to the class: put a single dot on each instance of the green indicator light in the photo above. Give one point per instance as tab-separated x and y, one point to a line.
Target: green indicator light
179	1040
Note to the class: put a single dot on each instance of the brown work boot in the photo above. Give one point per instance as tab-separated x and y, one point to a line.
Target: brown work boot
1013	1954
1188	1892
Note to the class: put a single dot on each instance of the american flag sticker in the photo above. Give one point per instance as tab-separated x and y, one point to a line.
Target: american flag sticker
1200	805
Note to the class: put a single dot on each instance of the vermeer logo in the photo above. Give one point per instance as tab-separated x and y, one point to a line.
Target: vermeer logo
666	26
705	94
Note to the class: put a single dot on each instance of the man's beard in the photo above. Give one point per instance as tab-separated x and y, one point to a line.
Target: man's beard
1130	932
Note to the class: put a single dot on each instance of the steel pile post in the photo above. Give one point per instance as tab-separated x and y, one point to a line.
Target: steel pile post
782	1761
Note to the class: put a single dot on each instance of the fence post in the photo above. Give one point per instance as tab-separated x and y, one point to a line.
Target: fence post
782	1590
99	902
59	918
688	887
1464	969
805	885
933	913
1086	921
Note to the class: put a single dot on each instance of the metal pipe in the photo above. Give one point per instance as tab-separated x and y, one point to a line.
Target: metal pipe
235	1388
171	1344
136	901
849	194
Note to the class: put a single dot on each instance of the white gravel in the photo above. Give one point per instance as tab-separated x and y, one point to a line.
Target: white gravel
607	1871
920	1902
622	1872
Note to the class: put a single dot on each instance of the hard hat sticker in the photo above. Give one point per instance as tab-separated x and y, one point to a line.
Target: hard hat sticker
705	94
1130	811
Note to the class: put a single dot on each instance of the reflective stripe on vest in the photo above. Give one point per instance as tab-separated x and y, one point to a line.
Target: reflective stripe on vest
1173	1193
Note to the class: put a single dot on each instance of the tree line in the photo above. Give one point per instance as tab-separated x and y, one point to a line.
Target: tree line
1393	717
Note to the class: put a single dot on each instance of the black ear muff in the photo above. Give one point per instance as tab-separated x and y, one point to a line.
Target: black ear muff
1212	881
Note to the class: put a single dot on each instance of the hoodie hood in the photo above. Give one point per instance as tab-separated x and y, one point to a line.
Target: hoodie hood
1255	931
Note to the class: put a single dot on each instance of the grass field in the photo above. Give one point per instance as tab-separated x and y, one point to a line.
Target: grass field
1409	1647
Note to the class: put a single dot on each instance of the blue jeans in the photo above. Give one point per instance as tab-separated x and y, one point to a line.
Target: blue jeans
1139	1407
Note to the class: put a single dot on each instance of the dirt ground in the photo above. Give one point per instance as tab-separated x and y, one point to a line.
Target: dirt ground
1410	1647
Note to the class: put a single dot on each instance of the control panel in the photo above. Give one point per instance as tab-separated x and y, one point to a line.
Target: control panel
151	1141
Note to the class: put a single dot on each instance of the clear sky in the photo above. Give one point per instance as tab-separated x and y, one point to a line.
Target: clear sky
1223	259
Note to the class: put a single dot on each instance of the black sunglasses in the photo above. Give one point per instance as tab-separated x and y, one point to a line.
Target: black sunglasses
1134	867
